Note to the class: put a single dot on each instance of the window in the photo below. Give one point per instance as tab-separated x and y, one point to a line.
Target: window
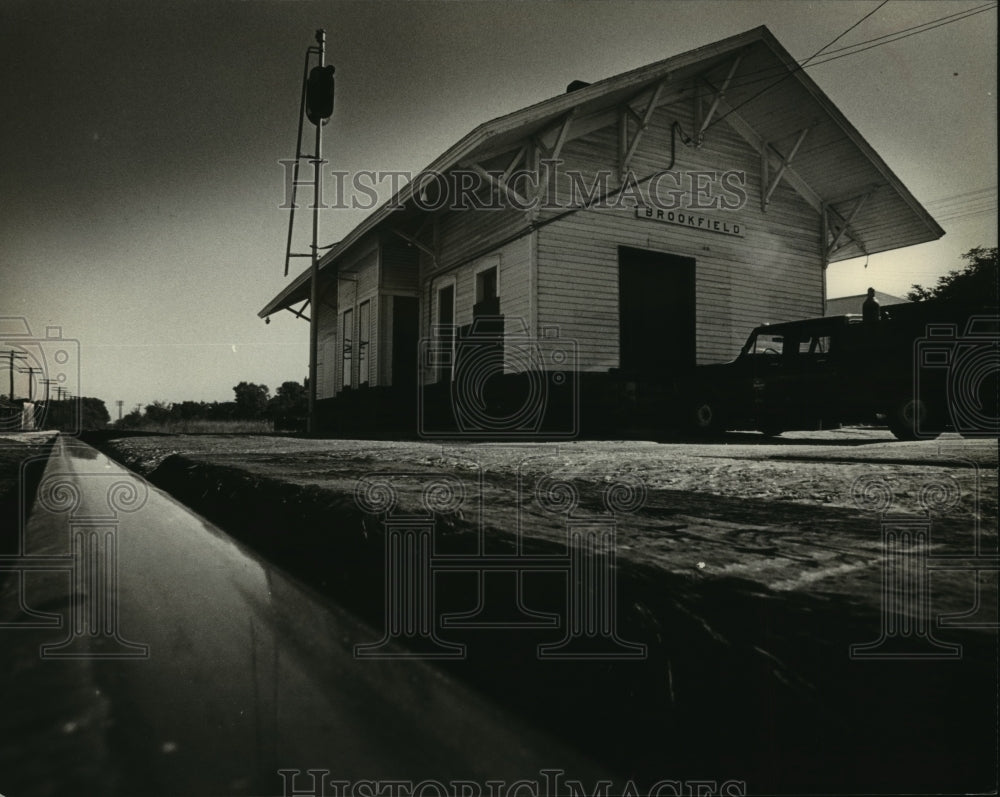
446	305
486	285
364	332
820	344
768	344
348	340
487	301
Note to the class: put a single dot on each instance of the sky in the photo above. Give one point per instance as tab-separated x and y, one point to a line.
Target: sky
141	184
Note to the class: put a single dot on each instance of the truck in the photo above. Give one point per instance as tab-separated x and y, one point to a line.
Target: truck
921	369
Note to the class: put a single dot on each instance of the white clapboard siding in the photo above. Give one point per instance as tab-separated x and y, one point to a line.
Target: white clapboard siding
400	266
513	263
465	234
773	273
357	282
327	337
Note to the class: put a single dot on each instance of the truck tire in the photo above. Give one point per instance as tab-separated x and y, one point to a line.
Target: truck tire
910	419
703	417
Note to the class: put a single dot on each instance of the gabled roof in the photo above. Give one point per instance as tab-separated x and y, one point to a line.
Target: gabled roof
769	101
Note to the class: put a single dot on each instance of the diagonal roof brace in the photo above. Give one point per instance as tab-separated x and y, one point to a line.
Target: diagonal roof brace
299	312
842	224
720	94
768	186
631	146
515	162
753	138
562	135
500	181
417	243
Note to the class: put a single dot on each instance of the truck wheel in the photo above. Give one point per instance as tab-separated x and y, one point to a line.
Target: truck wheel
909	419
704	417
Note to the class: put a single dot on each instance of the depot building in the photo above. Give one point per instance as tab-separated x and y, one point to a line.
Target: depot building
614	235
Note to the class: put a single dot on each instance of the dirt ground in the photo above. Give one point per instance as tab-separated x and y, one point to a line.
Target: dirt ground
798	512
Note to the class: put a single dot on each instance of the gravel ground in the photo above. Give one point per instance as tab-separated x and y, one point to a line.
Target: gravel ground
792	513
746	566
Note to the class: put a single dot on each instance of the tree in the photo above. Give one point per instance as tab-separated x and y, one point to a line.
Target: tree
81	413
974	284
251	400
131	420
289	405
93	413
158	412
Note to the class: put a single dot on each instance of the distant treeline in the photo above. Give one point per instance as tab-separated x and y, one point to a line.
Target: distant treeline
286	409
80	413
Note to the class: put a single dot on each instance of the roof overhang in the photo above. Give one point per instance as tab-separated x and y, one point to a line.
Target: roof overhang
749	82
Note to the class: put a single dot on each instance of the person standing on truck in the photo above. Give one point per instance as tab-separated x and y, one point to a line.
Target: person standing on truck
870	310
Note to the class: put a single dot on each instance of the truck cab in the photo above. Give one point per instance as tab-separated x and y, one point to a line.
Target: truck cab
922	368
793	375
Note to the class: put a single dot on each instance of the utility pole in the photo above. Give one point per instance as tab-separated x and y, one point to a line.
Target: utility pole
30	371
12	357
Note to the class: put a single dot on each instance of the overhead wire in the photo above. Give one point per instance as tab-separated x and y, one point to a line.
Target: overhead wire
764	75
799	66
964	204
924	29
958	14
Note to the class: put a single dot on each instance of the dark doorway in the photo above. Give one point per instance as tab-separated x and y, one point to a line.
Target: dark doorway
405	326
656	313
446	331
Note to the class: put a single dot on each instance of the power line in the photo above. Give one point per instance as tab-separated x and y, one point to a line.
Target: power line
974	192
799	66
844	52
940	24
968	214
842	35
964	204
782	71
957	15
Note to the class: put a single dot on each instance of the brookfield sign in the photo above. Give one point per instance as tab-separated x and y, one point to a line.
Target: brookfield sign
696	221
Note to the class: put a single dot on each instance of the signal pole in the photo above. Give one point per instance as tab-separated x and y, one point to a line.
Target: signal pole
317	107
313	427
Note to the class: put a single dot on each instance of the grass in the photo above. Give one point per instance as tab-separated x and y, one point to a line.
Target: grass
198	426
